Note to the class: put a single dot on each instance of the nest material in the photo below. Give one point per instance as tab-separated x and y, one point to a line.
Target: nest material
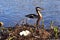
42	34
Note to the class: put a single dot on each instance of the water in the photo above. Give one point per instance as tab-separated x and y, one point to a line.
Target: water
11	11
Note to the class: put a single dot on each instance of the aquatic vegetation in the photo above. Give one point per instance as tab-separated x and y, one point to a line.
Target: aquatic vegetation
11	38
51	24
42	24
56	32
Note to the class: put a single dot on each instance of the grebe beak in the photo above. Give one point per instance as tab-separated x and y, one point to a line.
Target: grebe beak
39	8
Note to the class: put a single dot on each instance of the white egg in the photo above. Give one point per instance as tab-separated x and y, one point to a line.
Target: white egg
24	33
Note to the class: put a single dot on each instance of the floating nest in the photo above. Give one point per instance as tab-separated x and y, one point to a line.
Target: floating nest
35	34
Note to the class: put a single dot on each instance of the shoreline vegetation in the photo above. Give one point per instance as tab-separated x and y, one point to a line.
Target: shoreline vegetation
33	32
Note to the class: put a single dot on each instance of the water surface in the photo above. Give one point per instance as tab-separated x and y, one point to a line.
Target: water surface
11	11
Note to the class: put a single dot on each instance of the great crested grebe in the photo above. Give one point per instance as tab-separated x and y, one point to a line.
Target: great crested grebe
39	15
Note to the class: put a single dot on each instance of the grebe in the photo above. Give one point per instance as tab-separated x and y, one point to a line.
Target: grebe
39	15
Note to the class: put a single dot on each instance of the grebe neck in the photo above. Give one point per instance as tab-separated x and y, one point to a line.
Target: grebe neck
39	13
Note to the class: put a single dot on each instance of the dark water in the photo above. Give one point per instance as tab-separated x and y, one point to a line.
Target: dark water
11	11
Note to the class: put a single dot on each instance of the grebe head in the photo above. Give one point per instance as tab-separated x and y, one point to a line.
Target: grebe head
38	9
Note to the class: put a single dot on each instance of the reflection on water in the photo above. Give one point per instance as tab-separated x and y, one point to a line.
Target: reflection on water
11	11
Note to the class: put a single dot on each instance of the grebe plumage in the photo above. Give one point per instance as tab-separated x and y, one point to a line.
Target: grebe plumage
32	16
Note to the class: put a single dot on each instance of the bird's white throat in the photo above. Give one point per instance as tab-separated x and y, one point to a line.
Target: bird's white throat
39	13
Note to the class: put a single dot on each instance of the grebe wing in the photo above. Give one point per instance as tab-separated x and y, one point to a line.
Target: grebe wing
31	16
